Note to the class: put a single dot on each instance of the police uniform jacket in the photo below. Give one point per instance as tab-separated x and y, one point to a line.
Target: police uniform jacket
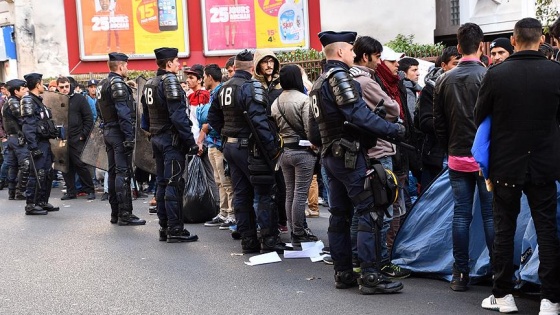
523	96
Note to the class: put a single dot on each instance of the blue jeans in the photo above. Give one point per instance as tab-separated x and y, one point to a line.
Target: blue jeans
463	186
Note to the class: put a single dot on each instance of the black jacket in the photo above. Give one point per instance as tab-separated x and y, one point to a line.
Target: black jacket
455	95
432	150
523	96
80	119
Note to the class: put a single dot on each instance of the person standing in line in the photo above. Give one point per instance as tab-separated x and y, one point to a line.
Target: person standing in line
522	97
455	96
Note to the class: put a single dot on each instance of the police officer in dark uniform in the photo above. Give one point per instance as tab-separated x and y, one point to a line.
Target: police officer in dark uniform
11	115
38	128
336	98
250	160
117	108
165	114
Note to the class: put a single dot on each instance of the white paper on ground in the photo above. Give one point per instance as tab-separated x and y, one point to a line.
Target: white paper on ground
267	258
318	258
309	250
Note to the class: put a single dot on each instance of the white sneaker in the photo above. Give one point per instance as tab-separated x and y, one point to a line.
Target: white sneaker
549	308
502	305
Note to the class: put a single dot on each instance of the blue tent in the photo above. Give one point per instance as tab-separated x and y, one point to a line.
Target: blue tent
424	242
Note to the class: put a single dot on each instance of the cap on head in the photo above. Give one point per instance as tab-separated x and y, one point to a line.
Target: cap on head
197	70
115	56
16	83
502	42
390	55
244	55
166	53
92	82
329	37
33	77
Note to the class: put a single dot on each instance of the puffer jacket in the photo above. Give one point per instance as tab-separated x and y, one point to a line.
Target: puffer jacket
272	87
455	96
372	93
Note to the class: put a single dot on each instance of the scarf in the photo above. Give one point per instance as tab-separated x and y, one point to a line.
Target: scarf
391	84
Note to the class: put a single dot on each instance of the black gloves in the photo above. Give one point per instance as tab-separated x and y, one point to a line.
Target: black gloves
36	153
193	150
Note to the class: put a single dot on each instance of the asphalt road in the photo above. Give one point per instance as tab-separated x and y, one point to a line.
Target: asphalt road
75	262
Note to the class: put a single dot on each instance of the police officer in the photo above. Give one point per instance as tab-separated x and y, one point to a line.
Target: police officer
11	115
250	160
165	114
116	105
336	98
38	128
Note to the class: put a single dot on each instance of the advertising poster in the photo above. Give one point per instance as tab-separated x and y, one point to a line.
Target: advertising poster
133	27
233	25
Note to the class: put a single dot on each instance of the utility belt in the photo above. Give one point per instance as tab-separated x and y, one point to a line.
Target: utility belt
348	150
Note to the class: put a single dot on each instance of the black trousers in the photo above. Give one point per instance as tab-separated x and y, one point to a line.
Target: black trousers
76	166
543	203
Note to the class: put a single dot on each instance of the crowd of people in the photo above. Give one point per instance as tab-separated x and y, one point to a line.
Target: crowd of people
268	138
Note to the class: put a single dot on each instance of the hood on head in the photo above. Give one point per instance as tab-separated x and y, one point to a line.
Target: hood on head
432	76
260	54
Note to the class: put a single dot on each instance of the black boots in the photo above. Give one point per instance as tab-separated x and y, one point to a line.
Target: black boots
375	282
11	194
345	279
179	235
2	184
47	206
127	218
250	244
31	209
272	243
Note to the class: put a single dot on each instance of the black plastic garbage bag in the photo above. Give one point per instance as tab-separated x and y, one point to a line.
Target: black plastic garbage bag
198	201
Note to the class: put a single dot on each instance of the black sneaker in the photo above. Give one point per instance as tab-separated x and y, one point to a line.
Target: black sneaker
68	196
47	206
216	221
180	235
162	234
307	236
105	196
459	281
393	271
373	282
91	196
227	223
328	260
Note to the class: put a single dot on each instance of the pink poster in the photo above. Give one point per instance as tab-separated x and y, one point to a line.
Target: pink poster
230	24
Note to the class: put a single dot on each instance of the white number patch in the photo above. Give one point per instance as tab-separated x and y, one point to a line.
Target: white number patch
149	96
226	96
314	106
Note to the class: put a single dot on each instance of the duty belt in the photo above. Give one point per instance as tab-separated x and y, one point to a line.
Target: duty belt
236	140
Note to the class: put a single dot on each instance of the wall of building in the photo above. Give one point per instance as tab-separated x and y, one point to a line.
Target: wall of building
381	19
40	33
496	16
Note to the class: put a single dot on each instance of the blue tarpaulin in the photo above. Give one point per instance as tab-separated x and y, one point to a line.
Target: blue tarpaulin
424	242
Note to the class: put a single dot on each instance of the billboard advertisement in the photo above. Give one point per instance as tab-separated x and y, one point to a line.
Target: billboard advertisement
133	27
232	25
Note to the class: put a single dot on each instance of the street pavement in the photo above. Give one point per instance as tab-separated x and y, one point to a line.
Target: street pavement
75	262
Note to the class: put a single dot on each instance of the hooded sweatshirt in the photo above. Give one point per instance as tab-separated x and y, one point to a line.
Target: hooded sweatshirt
372	94
272	87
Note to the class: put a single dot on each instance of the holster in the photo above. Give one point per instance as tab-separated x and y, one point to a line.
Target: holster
375	182
347	149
